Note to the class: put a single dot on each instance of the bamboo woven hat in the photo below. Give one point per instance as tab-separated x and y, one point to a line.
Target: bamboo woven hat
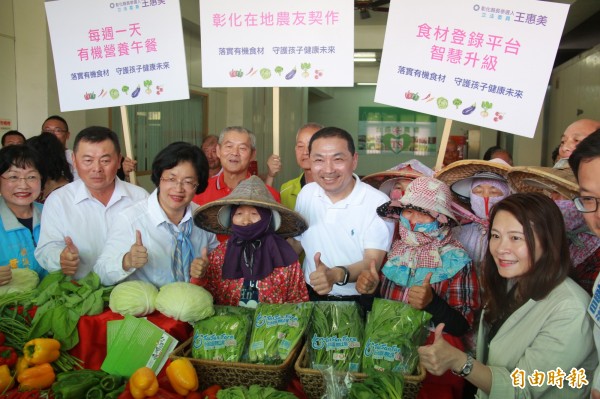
216	215
526	179
459	175
384	181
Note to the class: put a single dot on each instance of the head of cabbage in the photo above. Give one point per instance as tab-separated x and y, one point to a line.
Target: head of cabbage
135	298
22	280
184	301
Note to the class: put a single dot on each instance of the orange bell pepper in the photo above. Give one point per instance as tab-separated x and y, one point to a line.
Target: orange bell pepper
37	377
6	380
143	383
182	376
21	365
41	350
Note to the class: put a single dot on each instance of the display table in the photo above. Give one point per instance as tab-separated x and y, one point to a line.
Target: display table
92	335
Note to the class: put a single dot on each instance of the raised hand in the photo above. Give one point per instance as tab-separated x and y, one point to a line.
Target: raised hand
419	296
137	256
199	265
440	355
69	258
319	278
5	274
368	280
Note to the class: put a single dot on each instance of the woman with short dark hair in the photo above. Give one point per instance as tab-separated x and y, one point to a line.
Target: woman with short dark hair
534	324
155	240
22	175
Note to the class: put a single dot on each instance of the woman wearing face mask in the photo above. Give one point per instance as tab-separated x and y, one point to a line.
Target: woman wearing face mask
535	323
256	263
478	185
562	187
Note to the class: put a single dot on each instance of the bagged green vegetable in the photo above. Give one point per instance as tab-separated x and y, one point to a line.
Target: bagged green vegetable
133	297
184	301
277	329
23	280
385	385
394	332
336	336
253	392
223	336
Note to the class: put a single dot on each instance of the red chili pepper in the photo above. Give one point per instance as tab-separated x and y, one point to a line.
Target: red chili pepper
8	356
210	392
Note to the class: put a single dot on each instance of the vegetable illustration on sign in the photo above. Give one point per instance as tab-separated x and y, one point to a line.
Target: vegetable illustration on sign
147	84
291	74
498	116
457	102
136	92
469	110
305	66
486	107
265	73
125	89
278	70
114	93
442	103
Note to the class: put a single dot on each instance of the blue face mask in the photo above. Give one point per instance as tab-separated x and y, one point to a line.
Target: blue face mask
420	227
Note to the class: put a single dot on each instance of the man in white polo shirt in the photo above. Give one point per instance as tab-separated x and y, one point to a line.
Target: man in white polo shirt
345	234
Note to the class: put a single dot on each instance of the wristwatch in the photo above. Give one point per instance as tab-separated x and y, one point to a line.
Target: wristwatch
346	275
466	368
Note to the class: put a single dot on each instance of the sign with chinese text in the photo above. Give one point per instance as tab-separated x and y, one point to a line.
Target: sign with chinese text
113	53
484	63
385	130
273	43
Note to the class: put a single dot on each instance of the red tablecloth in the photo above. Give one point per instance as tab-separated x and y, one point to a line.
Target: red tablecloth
92	335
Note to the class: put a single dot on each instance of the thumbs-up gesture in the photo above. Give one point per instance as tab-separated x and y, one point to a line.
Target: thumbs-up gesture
69	257
419	296
137	256
5	274
368	280
440	356
320	278
199	265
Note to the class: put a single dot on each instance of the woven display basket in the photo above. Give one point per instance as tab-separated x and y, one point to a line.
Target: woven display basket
314	386
229	374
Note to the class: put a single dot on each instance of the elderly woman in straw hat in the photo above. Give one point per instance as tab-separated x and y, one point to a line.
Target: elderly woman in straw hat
477	185
256	264
562	187
394	181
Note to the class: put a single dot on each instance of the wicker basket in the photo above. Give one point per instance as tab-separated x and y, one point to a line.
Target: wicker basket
229	374
314	386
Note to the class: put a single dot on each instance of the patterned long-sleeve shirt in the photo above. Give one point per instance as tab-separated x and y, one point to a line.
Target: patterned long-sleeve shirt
283	285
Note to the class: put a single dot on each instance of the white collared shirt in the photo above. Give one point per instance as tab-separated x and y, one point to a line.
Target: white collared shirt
342	231
72	211
151	220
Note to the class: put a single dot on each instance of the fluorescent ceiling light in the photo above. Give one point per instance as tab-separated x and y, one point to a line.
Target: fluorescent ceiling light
365	56
366	84
365	59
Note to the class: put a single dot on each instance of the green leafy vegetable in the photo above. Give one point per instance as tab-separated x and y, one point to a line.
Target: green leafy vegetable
253	392
223	336
277	329
379	385
393	334
23	280
336	336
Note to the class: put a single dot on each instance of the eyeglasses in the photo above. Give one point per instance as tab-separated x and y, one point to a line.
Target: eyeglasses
586	204
173	182
55	130
27	179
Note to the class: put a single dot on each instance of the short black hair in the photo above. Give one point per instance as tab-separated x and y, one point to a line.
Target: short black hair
490	151
97	134
22	156
175	153
12	133
58	118
333	132
54	158
586	150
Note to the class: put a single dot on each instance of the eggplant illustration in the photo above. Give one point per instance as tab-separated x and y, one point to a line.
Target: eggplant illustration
291	74
136	92
468	110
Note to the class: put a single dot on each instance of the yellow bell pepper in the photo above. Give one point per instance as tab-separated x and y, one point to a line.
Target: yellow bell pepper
6	380
37	377
41	350
182	376
143	383
21	365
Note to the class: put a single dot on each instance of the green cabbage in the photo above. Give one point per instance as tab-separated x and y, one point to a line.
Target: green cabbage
135	298
23	280
185	302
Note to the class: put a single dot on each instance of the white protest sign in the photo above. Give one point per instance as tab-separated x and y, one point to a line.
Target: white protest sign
486	64
111	53
273	43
